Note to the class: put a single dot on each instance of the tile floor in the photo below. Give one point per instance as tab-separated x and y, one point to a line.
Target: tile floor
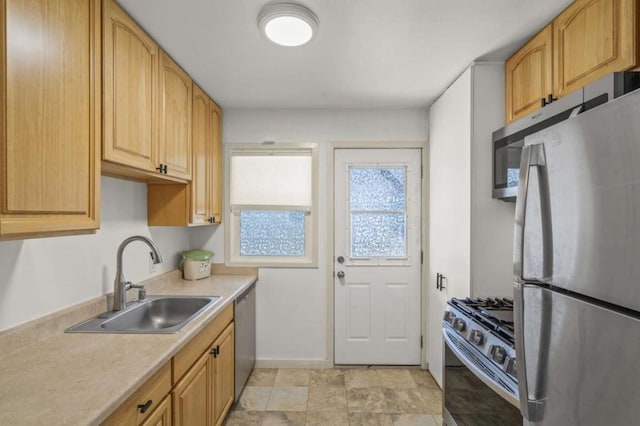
339	396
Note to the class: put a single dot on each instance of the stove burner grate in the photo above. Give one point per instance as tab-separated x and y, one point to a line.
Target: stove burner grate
496	314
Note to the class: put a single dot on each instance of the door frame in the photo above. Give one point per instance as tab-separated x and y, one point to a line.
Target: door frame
332	146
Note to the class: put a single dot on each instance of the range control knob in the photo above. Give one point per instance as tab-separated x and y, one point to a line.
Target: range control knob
477	337
498	354
459	324
449	316
511	367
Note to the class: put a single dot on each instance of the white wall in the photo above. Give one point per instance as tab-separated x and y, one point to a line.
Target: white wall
292	303
44	275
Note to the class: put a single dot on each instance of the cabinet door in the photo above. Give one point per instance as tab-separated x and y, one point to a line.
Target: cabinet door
175	109
215	164
192	394
528	75
161	415
130	91
222	375
450	159
593	38
200	138
50	126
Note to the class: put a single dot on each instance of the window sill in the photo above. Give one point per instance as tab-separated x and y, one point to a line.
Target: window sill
272	263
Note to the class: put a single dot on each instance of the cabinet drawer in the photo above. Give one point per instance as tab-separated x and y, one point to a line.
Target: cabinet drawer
188	355
149	395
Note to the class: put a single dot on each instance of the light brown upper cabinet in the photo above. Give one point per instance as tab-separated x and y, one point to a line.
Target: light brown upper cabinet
50	117
175	112
586	41
131	63
214	158
528	76
199	202
201	147
593	38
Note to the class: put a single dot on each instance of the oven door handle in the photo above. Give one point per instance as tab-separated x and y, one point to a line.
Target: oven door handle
509	397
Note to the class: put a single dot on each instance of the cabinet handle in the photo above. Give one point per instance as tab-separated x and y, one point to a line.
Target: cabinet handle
215	351
162	169
439	284
144	407
212	219
550	98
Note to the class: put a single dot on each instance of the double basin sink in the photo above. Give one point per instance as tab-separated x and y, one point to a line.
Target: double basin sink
154	315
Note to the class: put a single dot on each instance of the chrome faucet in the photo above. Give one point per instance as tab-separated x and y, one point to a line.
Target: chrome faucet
121	285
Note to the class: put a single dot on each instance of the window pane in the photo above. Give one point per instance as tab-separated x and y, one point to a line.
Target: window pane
271	233
375	235
377	189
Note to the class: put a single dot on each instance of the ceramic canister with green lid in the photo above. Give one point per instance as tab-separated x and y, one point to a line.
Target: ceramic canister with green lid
196	264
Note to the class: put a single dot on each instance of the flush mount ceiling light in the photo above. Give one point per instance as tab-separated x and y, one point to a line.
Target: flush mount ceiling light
287	24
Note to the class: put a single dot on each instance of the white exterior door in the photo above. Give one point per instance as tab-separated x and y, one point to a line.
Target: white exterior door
377	256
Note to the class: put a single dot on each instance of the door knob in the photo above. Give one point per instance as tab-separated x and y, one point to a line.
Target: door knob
340	274
340	259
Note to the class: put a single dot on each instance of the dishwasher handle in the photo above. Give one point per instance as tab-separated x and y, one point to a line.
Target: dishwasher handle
245	296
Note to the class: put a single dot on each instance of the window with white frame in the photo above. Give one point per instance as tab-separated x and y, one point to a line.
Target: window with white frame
271	202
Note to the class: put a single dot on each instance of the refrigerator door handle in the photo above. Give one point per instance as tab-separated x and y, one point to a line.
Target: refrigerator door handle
521	208
532	156
531	409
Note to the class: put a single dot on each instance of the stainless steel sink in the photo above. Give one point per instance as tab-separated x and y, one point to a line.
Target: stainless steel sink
155	315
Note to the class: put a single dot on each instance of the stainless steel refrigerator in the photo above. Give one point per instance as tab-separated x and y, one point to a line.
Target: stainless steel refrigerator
577	269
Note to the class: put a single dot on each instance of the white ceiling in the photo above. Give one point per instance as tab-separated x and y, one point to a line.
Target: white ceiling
368	53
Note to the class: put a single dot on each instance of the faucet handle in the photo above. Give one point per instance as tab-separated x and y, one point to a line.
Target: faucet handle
142	292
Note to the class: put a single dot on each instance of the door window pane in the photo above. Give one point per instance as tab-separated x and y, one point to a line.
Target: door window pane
377	189
271	233
374	235
377	202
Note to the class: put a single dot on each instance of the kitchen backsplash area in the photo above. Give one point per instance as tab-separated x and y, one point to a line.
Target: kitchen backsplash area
44	275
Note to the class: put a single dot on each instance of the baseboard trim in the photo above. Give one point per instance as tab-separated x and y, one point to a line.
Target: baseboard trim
293	363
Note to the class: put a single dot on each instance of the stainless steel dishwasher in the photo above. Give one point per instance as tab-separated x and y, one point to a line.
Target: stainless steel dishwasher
245	341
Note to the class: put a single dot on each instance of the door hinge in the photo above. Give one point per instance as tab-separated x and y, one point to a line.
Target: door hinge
421	342
421	172
421	257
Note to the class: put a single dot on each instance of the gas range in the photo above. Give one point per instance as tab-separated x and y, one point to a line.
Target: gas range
481	333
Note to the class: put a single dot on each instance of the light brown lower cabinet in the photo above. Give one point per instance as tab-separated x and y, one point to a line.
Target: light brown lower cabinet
222	370
195	388
205	394
144	403
192	394
162	414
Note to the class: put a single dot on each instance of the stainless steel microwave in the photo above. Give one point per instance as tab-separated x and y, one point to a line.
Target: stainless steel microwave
508	141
